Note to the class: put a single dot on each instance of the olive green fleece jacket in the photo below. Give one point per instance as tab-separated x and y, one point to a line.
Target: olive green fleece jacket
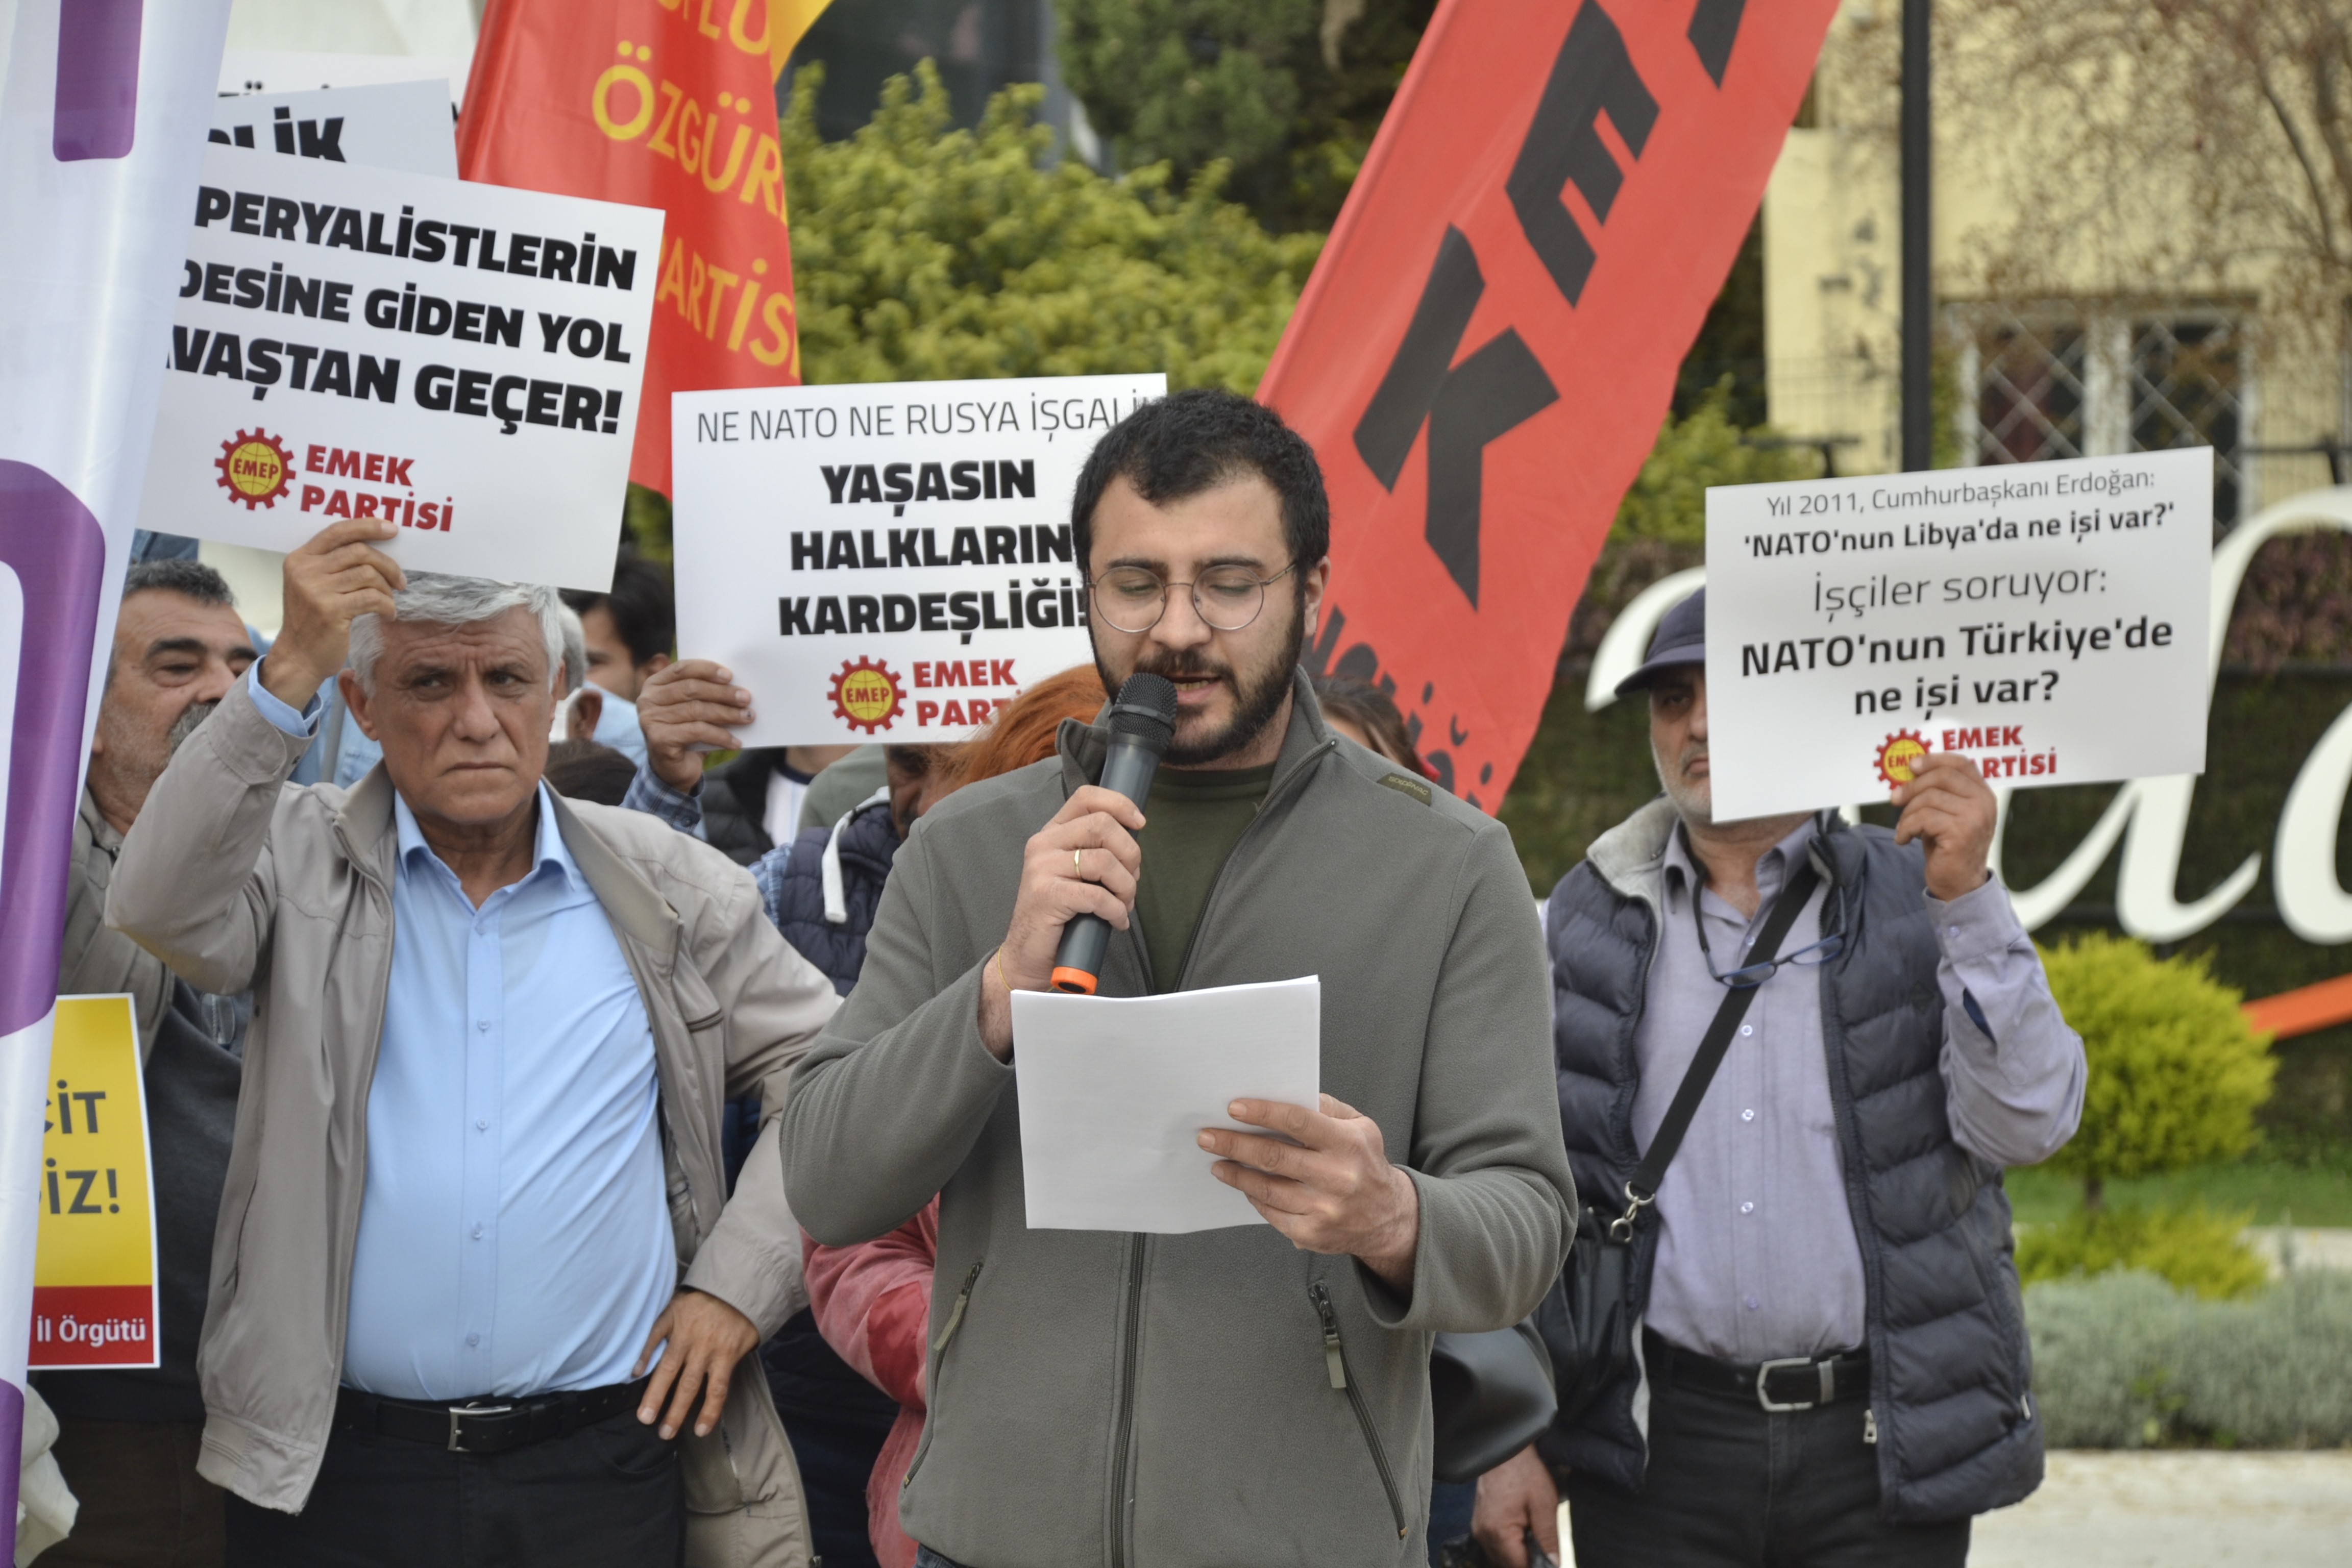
1218	1398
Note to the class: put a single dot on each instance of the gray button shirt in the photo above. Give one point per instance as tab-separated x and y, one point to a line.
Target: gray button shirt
1757	1256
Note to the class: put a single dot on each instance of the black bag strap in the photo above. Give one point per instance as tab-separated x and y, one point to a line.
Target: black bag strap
1641	1187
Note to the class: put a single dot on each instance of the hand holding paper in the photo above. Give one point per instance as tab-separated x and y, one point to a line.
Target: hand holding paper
686	710
1326	1182
331	579
1115	1090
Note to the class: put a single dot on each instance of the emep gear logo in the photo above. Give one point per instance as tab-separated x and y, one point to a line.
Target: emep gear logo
255	468
866	695
1899	757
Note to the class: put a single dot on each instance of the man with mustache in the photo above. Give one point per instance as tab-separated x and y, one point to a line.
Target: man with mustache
127	1440
1833	1366
1252	1395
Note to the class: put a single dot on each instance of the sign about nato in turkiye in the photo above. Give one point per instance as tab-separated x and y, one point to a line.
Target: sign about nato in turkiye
462	359
887	562
2047	620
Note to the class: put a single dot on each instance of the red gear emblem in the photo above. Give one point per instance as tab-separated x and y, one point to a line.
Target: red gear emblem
255	468
866	695
1898	759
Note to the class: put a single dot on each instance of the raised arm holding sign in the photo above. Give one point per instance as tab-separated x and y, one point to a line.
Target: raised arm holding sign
1828	1245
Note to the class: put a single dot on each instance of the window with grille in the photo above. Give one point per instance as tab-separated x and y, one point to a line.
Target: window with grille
2067	380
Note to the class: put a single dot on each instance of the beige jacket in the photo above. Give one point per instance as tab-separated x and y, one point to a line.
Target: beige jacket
234	878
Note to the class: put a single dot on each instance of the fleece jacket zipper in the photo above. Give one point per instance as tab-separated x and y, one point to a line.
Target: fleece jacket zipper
1123	1448
1335	1363
1127	1360
938	1365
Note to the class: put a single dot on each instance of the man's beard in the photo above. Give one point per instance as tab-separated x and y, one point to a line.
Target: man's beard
1257	694
186	726
1694	801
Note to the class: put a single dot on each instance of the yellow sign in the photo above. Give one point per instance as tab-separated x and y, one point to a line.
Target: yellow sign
94	1272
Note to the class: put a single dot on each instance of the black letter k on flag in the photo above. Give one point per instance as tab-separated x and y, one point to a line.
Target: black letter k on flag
1466	405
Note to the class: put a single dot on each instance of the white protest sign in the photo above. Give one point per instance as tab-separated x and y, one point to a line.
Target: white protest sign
886	562
354	343
400	125
292	70
2046	619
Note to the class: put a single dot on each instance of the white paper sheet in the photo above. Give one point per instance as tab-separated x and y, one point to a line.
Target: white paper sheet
1116	1089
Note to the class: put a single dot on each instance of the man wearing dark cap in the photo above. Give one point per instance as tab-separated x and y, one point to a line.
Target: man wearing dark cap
1832	1362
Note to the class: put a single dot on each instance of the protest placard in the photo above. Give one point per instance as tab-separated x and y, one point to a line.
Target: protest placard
94	1270
2046	619
290	70
462	358
886	562
396	125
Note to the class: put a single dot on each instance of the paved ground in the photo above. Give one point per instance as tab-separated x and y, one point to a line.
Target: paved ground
2200	1509
2307	1247
2170	1510
2193	1509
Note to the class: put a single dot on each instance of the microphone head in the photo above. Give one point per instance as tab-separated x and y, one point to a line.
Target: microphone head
1145	711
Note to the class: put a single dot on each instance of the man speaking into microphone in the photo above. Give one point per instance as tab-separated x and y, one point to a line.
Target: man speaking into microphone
1252	1395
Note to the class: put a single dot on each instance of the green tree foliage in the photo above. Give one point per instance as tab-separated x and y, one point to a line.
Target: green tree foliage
2176	1075
920	252
1667	502
2176	1072
644	521
1289	91
2196	1249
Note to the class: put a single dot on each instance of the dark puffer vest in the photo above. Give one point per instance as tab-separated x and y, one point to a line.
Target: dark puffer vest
1951	1371
863	845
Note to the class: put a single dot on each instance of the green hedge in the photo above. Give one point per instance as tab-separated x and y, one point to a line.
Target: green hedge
2125	1362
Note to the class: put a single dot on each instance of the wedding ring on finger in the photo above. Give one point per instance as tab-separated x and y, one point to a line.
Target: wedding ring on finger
1078	864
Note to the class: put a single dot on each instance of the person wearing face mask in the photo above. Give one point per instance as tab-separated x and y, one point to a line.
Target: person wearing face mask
128	1439
626	631
1259	1394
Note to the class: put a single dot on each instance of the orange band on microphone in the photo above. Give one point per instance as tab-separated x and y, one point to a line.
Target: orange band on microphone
1073	980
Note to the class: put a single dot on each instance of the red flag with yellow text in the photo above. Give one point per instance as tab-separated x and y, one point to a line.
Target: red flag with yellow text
1488	345
659	103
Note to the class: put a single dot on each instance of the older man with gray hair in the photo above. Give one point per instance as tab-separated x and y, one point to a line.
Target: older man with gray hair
479	1291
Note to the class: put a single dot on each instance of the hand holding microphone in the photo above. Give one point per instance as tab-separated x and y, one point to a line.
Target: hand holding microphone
1079	870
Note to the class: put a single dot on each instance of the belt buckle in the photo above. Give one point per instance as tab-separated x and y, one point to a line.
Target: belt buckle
1767	1369
457	1413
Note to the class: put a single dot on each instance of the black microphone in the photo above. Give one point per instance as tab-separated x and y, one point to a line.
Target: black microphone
1143	722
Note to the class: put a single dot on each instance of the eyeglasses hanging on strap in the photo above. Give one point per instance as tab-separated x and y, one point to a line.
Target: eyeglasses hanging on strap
1757	974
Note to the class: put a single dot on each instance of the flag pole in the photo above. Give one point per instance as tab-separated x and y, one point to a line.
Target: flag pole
103	122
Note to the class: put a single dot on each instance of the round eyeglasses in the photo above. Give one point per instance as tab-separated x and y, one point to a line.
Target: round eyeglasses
1227	599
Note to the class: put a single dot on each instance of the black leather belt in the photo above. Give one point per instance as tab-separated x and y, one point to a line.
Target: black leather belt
485	1425
1793	1383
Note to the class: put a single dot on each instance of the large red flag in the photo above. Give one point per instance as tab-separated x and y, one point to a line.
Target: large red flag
659	103
1485	351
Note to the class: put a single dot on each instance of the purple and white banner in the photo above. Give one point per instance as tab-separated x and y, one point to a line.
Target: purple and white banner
102	124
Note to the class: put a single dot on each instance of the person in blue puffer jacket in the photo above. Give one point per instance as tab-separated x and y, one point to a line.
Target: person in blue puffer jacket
822	889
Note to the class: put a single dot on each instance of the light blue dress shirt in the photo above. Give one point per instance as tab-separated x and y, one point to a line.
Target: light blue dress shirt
514	1237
